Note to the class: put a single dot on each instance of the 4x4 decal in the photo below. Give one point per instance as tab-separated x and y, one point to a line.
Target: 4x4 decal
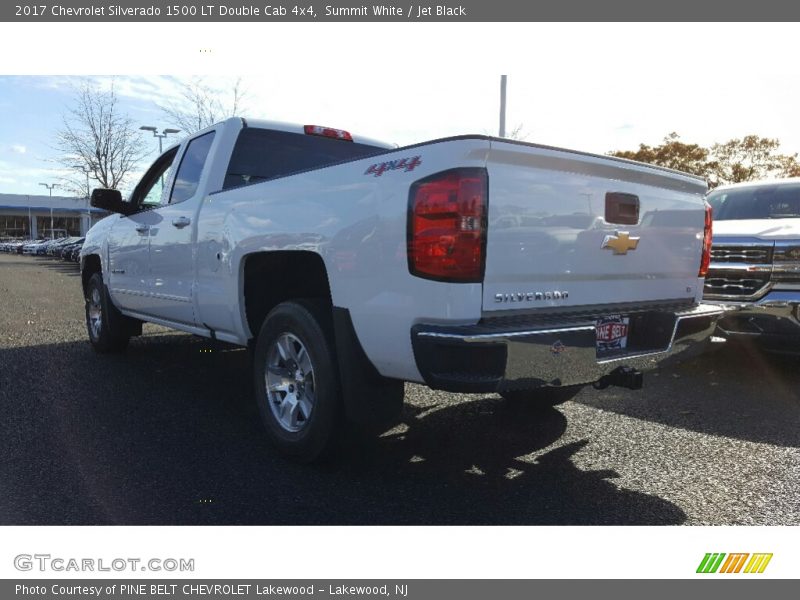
406	164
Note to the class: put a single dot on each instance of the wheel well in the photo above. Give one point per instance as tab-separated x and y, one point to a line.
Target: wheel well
274	277
91	265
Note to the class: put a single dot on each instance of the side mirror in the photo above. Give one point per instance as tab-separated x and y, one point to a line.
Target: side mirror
111	200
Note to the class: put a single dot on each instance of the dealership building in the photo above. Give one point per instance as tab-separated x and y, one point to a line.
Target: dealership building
24	216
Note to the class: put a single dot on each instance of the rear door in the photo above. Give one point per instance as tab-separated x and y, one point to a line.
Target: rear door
568	229
172	267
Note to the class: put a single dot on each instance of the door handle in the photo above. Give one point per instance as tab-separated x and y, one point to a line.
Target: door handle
143	228
181	222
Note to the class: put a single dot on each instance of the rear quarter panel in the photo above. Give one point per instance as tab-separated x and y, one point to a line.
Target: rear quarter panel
355	219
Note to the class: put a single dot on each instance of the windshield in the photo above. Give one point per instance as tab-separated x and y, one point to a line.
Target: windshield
761	202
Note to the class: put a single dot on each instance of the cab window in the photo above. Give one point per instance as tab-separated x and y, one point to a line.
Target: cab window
151	187
188	176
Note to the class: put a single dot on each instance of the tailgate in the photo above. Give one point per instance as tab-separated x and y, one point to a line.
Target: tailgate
563	232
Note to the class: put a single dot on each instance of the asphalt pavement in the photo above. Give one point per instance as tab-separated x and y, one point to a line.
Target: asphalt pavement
168	434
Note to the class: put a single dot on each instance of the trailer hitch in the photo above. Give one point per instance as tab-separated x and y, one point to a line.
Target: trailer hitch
626	377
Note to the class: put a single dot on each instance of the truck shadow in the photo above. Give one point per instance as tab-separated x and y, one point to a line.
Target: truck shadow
168	434
714	394
59	266
479	462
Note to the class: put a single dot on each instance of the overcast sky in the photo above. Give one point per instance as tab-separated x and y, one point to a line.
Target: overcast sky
595	87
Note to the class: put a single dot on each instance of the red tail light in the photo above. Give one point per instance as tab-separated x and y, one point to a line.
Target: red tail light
705	261
447	226
339	134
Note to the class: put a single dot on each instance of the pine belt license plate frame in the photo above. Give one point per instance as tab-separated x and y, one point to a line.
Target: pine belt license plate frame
611	334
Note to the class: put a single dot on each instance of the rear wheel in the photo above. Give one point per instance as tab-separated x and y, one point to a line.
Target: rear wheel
296	380
109	330
542	398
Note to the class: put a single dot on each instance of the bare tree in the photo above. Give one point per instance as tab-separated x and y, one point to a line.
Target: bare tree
97	139
200	105
518	133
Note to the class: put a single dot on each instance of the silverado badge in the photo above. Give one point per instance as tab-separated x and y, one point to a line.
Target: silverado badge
620	242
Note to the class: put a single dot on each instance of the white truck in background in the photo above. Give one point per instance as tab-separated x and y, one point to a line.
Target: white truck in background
755	263
470	264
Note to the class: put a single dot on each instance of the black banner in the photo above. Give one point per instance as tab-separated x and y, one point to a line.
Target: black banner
376	589
393	11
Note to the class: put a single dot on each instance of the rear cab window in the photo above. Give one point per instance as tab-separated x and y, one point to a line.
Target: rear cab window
262	154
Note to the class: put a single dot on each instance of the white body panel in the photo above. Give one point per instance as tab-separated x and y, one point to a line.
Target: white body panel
763	229
357	223
128	275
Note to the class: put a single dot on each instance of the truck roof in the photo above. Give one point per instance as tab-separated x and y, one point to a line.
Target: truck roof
298	128
747	184
281	126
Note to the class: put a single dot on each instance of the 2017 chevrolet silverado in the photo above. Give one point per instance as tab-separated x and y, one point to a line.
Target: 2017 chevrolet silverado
470	264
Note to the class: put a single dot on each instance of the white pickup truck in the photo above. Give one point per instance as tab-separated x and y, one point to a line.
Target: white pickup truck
755	262
470	264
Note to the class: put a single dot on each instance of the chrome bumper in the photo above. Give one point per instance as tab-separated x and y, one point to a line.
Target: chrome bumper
492	357
775	316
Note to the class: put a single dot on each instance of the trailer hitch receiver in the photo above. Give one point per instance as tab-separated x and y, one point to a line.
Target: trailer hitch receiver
626	377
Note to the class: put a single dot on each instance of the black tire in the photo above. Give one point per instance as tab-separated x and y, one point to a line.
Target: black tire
540	399
302	411
109	330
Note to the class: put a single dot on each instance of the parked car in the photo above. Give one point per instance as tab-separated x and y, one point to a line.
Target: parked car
11	246
65	252
41	250
16	247
755	262
33	247
54	248
64	247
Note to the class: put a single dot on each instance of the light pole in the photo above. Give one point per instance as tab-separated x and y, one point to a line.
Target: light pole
50	187
30	221
86	171
164	133
503	80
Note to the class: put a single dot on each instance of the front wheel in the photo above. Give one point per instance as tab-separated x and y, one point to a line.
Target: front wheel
296	379
109	330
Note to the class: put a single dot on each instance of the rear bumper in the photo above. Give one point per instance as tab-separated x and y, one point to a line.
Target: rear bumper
773	321
499	355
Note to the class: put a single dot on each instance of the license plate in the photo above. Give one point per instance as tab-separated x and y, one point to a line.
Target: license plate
612	333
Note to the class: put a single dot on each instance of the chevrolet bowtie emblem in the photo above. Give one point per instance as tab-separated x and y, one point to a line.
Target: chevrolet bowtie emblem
621	242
